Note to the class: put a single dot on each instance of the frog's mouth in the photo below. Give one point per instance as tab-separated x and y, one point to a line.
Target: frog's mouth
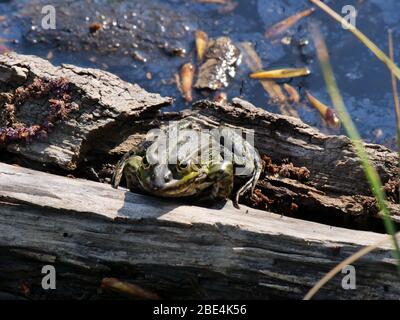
189	185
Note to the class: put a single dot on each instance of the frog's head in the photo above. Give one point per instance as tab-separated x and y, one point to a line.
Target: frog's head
176	180
165	180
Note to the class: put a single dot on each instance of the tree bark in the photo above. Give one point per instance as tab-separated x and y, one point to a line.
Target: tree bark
105	103
336	191
89	231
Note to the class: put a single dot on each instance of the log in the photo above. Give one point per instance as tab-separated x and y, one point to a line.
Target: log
105	103
336	191
89	231
331	158
115	115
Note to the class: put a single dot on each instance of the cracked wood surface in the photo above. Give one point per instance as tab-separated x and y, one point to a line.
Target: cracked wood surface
336	192
331	159
89	231
115	115
105	103
337	185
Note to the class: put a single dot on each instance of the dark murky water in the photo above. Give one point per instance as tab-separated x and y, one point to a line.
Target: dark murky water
153	28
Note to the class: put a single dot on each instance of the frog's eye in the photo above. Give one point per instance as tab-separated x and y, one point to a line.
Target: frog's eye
182	166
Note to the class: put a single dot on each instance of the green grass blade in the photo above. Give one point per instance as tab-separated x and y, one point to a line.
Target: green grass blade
362	37
370	172
350	260
395	95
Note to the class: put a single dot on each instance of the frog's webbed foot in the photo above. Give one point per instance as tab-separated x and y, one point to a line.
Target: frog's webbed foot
119	168
119	171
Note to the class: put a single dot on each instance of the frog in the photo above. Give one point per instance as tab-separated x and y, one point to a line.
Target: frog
192	158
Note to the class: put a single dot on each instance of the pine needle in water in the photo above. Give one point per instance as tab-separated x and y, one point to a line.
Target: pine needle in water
285	24
273	89
281	73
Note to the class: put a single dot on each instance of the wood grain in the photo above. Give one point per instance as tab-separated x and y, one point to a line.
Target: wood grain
90	231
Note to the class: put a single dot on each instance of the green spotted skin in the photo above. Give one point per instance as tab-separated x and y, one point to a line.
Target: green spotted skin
210	176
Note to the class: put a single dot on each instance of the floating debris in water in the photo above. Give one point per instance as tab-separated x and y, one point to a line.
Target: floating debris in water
221	97
228	5
254	62
215	1
303	42
201	39
221	59
171	50
378	133
50	55
294	96
327	113
281	73
139	56
186	81
273	89
285	24
286	40
95	27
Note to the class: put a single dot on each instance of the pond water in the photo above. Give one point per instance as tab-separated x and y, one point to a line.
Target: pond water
155	30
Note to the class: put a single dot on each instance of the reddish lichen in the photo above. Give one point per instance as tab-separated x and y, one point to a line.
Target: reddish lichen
56	91
285	170
265	197
259	201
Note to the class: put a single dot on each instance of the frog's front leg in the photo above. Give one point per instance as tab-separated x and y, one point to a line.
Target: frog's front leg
129	165
222	176
251	183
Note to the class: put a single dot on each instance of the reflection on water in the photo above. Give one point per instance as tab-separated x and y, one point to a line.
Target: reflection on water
143	42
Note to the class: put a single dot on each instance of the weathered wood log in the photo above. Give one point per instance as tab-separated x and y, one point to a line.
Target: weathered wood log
331	159
336	191
336	184
105	103
114	116
88	231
